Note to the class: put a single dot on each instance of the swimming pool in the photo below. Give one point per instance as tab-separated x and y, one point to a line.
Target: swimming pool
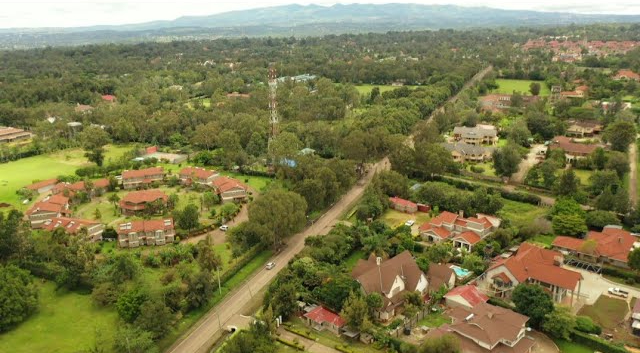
460	272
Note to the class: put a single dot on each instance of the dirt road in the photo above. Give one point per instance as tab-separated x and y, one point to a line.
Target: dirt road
527	163
218	236
633	174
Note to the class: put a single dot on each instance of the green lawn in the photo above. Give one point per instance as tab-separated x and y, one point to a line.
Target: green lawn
545	240
571	347
65	322
583	175
395	218
487	166
502	142
434	320
507	86
351	261
520	213
258	183
607	312
366	89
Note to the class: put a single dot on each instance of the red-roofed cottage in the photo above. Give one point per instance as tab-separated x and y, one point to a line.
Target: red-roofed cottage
466	296
320	319
137	201
195	175
403	205
42	186
532	264
229	189
611	246
465	232
133	179
51	207
146	232
73	226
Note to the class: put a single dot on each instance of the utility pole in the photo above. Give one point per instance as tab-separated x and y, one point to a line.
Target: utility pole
273	105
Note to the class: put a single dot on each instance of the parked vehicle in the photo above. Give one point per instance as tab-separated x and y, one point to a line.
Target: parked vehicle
270	265
224	228
618	292
409	223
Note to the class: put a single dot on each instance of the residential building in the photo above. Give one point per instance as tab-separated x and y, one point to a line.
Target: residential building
196	175
440	275
146	232
500	102
464	232
109	98
391	278
133	179
137	201
635	318
583	128
464	152
532	264
467	296
83	108
70	189
49	208
611	246
403	205
73	226
229	189
322	319
42	186
11	134
572	150
626	75
487	328
478	135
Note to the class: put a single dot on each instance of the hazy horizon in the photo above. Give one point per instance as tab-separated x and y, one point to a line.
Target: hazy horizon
78	13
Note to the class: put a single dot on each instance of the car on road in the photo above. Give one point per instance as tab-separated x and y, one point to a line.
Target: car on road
618	292
270	265
409	223
224	228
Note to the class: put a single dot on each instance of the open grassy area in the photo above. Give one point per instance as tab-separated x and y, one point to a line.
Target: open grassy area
395	218
571	347
366	89
434	320
583	175
487	166
607	312
520	213
257	183
351	261
65	322
507	86
544	240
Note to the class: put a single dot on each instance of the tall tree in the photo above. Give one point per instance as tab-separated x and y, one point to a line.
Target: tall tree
188	218
281	212
620	134
534	88
93	140
356	312
506	160
18	296
531	300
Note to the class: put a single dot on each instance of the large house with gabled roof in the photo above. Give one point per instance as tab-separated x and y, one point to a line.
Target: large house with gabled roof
463	232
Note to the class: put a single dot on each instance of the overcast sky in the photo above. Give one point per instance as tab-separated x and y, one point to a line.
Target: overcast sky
74	13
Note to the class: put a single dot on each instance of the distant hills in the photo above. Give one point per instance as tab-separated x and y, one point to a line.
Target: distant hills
301	20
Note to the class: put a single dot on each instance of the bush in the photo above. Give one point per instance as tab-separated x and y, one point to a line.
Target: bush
343	349
596	343
501	303
299	332
477	169
586	325
294	345
620	273
394	324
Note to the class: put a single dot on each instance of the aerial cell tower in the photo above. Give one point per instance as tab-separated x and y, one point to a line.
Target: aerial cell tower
273	105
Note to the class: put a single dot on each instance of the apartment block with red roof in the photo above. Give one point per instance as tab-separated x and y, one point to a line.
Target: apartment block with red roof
135	179
532	264
463	232
229	189
70	189
51	207
42	186
611	246
137	201
74	226
146	232
196	175
403	205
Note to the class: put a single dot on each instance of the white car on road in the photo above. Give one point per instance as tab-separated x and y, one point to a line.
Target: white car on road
270	265
224	228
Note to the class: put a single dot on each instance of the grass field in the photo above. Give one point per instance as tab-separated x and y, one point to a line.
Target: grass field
487	166
571	347
583	175
520	213
366	89
434	320
507	86
65	322
351	261
545	240
395	218
606	311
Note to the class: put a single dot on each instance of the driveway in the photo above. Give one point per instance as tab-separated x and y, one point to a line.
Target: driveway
544	344
528	163
309	345
594	285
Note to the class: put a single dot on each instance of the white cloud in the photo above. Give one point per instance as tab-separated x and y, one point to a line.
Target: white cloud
74	13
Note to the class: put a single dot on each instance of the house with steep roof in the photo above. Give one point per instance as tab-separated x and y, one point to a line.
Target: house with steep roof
403	205
464	232
229	189
391	278
42	186
487	328
146	232
322	319
134	179
109	98
463	152
532	264
137	202
467	296
74	226
611	246
440	275
197	175
478	135
572	150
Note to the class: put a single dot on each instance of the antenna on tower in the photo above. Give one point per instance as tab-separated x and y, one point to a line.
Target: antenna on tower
273	104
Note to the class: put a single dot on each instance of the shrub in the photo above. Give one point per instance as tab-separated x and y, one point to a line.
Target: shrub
477	169
299	332
294	345
596	343
586	325
343	349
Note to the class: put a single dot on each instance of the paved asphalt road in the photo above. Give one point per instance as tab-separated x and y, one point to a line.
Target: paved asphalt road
205	332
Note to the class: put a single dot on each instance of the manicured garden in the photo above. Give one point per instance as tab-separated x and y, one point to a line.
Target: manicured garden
519	213
571	347
434	320
543	239
507	86
395	218
607	312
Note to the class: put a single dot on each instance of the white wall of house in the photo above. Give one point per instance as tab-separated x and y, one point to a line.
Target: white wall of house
397	287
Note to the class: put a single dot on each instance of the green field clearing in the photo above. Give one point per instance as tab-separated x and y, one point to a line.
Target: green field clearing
366	89
258	183
583	175
520	213
507	86
395	218
350	262
606	311
571	347
541	239
64	322
487	166
434	320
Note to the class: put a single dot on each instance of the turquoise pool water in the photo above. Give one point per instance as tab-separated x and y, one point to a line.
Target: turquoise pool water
460	272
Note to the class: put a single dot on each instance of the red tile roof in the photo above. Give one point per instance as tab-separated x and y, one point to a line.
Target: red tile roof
224	184
469	293
199	173
611	242
58	200
46	207
402	202
143	196
41	184
439	231
444	217
70	225
150	225
322	315
142	173
109	97
627	74
571	147
470	237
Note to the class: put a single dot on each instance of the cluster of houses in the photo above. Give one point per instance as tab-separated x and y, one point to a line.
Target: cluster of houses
465	233
572	51
55	211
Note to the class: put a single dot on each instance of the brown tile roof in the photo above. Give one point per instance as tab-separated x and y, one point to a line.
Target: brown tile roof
70	225
199	173
149	225
571	147
379	279
142	173
439	275
539	264
224	184
627	74
57	199
46	207
611	242
41	184
470	293
143	196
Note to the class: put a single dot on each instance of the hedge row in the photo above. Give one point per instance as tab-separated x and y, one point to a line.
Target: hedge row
343	349
620	273
499	302
303	333
596	343
509	195
242	262
293	345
